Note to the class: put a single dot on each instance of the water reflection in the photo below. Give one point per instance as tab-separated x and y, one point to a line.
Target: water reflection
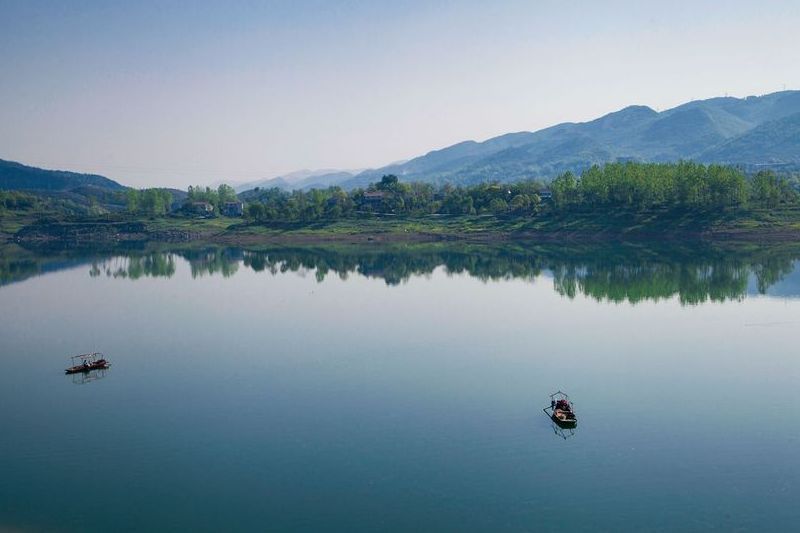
693	282
82	378
563	432
212	261
607	272
157	264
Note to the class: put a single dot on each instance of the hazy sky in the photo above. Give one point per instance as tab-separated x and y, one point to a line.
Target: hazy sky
174	93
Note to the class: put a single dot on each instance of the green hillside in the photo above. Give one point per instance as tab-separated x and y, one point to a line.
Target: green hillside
16	176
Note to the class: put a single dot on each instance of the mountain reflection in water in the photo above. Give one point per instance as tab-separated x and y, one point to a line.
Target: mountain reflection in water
605	272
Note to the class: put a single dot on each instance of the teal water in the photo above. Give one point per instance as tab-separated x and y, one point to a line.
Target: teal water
401	389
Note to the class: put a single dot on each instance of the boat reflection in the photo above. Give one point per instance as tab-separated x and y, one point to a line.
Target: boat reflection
562	431
82	378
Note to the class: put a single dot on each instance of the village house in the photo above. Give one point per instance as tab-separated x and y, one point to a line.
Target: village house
201	208
233	209
374	197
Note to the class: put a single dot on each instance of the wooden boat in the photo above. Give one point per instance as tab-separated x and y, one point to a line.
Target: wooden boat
561	410
87	362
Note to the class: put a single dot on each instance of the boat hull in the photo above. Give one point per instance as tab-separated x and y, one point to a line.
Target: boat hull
86	368
564	423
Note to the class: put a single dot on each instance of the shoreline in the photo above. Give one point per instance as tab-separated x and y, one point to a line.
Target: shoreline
81	233
589	226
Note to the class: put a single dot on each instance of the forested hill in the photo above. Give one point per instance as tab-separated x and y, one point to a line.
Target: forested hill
16	176
751	132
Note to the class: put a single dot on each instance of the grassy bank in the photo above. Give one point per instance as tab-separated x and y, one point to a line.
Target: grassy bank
575	226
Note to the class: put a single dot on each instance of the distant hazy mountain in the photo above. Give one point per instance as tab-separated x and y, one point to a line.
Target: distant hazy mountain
753	131
774	143
301	179
21	177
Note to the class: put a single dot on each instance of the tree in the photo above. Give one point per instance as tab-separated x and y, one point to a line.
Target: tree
498	206
225	193
520	203
256	211
565	190
132	200
769	190
536	202
388	183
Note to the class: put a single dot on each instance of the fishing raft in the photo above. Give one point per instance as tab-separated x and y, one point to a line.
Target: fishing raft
561	410
87	362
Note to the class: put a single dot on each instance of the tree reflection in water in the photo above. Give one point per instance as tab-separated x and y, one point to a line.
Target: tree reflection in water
605	272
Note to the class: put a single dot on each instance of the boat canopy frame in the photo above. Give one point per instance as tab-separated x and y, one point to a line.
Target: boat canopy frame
558	395
88	357
555	397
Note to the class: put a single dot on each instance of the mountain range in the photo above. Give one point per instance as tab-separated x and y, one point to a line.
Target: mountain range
301	179
757	131
753	132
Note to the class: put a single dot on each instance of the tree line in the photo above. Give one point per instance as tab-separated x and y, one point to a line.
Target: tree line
153	202
216	197
17	201
391	197
157	201
630	185
670	185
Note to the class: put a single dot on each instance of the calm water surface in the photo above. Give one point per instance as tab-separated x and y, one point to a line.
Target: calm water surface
318	390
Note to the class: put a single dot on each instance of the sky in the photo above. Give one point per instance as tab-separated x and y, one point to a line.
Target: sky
178	93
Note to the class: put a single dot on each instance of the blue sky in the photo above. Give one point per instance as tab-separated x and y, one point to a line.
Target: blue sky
175	93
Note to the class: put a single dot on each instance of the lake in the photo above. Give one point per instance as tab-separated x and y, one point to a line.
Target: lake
401	388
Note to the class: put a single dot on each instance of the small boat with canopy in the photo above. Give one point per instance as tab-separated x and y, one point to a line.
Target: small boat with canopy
86	362
561	410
